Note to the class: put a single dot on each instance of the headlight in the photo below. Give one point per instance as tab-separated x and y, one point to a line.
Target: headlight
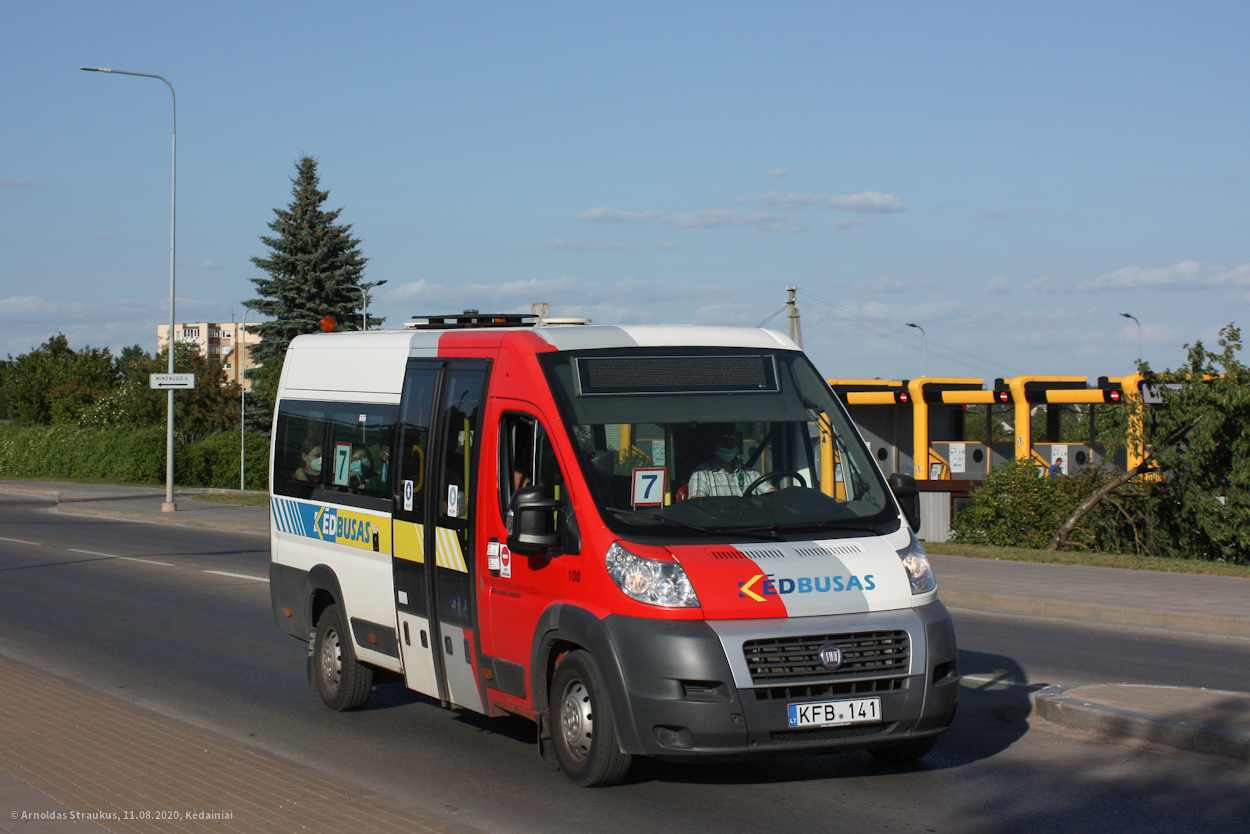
919	572
649	581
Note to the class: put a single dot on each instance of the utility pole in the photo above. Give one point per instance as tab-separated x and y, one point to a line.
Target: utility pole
796	327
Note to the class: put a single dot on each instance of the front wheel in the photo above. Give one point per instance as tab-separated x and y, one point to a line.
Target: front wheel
585	738
344	682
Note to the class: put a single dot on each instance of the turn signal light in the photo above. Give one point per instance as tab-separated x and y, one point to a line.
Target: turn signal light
328	324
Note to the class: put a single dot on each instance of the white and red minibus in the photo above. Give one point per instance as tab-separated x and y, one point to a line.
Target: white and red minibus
616	532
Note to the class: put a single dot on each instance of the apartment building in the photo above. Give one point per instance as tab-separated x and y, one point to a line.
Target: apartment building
223	342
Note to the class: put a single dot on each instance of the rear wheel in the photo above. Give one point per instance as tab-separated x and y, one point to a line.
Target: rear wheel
344	682
904	752
585	738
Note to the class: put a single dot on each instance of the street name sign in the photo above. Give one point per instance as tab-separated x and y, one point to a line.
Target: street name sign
164	382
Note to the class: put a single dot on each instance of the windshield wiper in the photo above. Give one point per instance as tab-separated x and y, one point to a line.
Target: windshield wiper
762	532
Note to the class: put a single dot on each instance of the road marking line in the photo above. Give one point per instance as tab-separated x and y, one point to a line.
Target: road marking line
146	561
18	541
93	553
239	575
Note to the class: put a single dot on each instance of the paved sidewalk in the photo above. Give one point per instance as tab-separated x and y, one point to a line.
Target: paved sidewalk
142	504
70	750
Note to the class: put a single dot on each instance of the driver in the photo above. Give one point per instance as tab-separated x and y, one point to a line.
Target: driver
723	474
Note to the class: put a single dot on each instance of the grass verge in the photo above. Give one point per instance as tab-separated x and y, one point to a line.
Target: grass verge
1097	560
238	498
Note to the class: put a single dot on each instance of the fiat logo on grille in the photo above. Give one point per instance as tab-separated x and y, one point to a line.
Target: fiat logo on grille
831	656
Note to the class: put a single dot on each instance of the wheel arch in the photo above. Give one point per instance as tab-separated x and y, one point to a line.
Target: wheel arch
563	628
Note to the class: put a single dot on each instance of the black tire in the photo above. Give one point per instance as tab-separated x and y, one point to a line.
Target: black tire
582	729
345	683
904	752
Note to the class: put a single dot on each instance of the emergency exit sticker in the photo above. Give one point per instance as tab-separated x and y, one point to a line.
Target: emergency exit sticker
648	489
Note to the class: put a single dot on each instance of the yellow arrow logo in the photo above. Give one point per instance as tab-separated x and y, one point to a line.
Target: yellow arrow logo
744	588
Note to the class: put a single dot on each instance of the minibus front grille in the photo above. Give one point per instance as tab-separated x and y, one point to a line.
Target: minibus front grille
831	733
778	660
825	691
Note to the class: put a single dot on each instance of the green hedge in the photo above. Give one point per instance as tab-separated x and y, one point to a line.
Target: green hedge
69	453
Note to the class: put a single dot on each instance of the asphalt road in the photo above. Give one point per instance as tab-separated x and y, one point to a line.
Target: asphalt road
153	614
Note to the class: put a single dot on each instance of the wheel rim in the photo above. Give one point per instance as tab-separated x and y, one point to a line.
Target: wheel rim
331	659
577	718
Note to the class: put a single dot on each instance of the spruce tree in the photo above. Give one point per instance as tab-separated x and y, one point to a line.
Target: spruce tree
314	269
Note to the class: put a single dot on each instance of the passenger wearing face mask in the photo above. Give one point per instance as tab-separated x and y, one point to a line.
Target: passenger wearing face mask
723	474
311	456
360	468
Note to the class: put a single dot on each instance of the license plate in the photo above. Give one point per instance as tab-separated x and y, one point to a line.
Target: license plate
832	713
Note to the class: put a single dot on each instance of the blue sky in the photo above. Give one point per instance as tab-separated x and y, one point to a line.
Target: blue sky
1008	178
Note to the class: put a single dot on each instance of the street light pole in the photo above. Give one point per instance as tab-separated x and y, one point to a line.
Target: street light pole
926	346
364	299
241	360
1138	323
169	506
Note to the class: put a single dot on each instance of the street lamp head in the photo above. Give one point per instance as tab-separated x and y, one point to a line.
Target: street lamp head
909	324
94	69
1126	315
380	283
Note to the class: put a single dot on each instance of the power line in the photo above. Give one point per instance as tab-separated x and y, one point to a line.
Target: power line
774	315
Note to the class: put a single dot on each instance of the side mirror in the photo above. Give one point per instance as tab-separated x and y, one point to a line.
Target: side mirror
907	494
531	530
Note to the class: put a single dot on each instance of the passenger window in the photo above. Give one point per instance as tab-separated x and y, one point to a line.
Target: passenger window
416	440
343	447
460	415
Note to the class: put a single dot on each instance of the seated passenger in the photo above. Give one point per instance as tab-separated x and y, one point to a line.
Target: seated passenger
311	457
360	468
723	474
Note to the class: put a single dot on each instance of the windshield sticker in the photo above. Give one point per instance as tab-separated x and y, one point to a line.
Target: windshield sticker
648	488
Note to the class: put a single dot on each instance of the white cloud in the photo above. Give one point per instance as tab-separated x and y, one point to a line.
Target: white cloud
1186	275
592	243
869	202
778	172
847	223
207	264
998	284
611	215
661	243
20	184
720	217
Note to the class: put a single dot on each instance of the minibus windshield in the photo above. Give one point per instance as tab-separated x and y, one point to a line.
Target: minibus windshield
719	442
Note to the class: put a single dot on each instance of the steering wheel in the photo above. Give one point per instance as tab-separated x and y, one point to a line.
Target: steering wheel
770	476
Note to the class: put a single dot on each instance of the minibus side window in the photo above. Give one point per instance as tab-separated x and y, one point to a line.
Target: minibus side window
460	415
339	447
526	458
299	448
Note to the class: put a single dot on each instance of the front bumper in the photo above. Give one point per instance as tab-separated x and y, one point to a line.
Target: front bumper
685	689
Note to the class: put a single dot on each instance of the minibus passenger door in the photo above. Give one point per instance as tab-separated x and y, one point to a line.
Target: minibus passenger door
450	549
418	635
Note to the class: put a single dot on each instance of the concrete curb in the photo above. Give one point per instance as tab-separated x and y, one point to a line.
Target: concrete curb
1103	614
1064	705
228	526
33	492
